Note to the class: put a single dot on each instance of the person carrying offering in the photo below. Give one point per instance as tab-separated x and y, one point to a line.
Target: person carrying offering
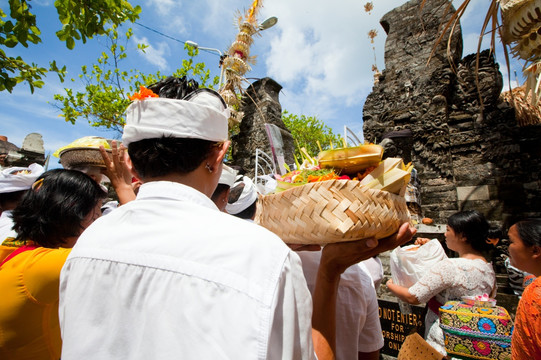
169	276
450	279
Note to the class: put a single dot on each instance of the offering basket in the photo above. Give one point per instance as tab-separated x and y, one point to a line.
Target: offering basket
82	156
331	211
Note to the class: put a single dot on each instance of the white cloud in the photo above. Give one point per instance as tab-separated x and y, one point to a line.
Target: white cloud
324	53
322	56
42	2
154	54
163	7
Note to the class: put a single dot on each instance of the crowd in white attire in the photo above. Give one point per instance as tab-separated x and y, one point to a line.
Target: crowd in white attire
167	275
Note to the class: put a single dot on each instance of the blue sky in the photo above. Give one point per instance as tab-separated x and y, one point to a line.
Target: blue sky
319	52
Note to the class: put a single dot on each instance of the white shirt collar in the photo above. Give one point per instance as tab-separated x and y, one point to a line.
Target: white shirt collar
174	191
6	214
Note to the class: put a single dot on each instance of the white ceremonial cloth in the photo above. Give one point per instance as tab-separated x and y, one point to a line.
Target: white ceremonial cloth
6	225
169	276
358	327
203	117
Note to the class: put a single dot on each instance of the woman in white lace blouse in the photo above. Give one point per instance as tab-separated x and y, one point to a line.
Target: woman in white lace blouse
469	274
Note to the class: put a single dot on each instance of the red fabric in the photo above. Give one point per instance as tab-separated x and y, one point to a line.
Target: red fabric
18	251
434	305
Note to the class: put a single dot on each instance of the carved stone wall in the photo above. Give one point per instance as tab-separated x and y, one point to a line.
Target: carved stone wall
260	105
467	155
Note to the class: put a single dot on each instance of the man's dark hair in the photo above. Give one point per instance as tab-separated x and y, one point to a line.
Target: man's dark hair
220	189
166	155
236	192
53	210
174	88
247	213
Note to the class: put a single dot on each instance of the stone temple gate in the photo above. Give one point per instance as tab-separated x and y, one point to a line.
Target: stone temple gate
467	156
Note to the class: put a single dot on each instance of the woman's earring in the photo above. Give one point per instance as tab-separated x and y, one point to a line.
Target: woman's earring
208	168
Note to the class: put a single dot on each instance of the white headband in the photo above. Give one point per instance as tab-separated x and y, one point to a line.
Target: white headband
11	182
247	198
228	176
202	116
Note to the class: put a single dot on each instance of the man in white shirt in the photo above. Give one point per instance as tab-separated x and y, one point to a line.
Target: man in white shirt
358	328
168	276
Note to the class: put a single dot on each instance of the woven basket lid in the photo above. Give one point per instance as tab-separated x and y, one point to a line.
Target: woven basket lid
331	211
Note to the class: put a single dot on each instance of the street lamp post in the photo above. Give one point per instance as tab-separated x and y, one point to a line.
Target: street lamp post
268	23
196	45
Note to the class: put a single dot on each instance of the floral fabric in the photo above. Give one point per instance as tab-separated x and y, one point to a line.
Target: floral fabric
476	332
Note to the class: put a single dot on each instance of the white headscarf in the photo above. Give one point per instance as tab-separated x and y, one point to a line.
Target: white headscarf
247	198
19	178
202	116
228	176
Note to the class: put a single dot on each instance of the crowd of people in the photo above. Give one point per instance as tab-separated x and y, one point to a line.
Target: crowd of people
178	268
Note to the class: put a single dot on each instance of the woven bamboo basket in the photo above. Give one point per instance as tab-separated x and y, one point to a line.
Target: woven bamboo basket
82	156
331	211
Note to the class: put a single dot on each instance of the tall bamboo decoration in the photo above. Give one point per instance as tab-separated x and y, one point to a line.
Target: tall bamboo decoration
237	60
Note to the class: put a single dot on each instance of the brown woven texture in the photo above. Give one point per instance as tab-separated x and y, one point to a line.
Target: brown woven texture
82	157
331	211
416	348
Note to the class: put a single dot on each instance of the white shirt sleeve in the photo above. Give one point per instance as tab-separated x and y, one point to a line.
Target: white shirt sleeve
370	335
291	333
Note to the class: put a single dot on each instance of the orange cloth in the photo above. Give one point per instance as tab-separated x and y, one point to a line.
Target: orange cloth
29	284
526	342
5	251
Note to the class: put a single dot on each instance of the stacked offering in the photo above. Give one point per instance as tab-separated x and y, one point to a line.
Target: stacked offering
343	195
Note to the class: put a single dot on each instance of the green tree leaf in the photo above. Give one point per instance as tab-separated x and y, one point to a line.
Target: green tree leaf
307	131
107	85
70	43
81	20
